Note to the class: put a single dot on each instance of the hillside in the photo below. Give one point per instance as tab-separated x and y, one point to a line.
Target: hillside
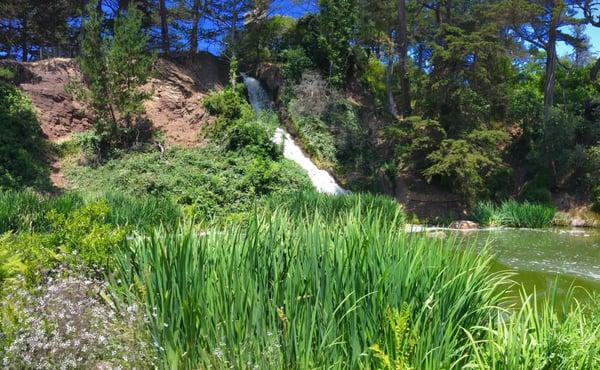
174	107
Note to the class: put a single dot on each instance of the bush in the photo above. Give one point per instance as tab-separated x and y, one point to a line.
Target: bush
212	180
238	125
6	74
22	147
295	64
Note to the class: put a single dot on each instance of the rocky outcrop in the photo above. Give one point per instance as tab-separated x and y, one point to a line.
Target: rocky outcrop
271	77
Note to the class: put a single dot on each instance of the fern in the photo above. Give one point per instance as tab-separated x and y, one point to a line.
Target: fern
401	340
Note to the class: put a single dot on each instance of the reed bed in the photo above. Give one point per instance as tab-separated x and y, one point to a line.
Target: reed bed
282	291
28	211
514	214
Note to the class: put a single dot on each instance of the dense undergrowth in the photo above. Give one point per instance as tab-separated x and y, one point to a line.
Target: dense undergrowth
23	150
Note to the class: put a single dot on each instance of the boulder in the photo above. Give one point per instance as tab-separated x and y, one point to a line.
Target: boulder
437	234
464	225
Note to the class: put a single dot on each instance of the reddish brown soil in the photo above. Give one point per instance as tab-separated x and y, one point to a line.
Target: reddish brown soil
174	108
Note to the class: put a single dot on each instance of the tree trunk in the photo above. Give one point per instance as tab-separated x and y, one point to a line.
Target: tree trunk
402	46
123	5
389	74
195	25
551	60
164	26
24	41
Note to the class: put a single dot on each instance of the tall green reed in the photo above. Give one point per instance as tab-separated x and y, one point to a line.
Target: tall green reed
304	292
540	335
514	214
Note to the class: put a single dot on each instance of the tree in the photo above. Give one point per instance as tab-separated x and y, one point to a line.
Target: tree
337	21
115	68
164	26
539	24
402	47
591	13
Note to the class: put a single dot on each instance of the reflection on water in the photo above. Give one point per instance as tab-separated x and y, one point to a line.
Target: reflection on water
541	258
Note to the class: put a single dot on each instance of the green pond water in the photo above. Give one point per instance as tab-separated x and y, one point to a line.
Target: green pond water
545	258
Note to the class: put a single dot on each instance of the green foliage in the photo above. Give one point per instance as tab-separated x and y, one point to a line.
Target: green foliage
304	292
263	40
295	64
85	233
337	21
555	146
305	205
26	210
22	147
400	340
514	214
238	125
316	140
373	77
540	335
467	165
115	68
6	74
414	139
81	237
213	180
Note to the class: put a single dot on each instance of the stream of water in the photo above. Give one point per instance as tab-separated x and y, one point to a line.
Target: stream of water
321	179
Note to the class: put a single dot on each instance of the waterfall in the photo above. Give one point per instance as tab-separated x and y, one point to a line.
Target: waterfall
321	179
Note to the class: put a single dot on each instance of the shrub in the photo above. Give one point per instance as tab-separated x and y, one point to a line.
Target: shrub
289	292
212	180
22	147
85	234
316	140
238	125
6	74
467	165
66	323
295	64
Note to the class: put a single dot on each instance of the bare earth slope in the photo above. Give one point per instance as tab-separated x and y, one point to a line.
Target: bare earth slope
175	105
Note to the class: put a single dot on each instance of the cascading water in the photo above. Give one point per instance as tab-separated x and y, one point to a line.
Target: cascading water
321	179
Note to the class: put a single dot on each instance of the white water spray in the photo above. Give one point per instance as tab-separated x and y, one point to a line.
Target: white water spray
321	179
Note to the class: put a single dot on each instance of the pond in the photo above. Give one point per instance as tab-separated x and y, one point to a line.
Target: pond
544	257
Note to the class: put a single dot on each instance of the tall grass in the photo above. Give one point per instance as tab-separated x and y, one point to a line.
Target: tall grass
514	214
27	210
328	207
283	291
541	335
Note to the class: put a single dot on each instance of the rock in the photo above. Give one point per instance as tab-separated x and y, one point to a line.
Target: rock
437	234
579	222
271	76
464	225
